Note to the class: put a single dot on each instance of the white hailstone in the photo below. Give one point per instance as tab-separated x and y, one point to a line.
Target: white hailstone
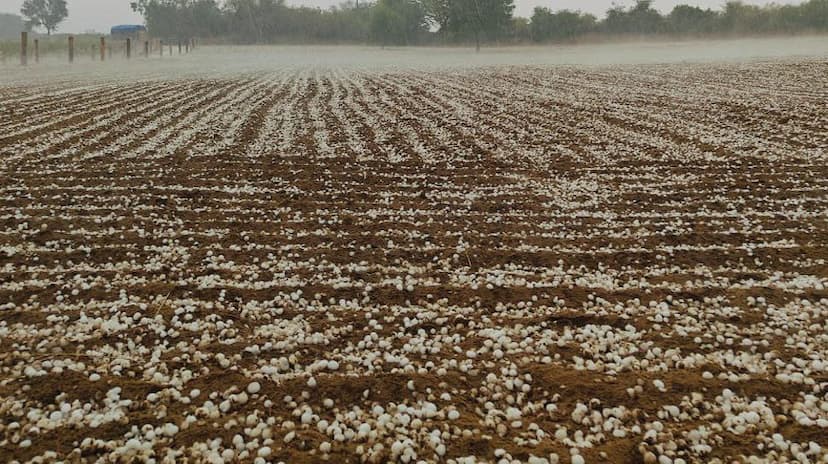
333	365
290	436
328	403
170	429
253	388
225	406
664	460
94	377
307	417
454	414
659	384
312	382
513	414
264	452
578	459
325	447
195	393
25	443
498	354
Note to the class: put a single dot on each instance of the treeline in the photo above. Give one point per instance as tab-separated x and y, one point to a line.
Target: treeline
735	18
412	22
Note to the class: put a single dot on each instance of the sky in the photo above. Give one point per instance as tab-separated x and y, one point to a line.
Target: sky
100	15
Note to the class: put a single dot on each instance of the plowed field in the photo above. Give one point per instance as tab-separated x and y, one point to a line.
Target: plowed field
621	263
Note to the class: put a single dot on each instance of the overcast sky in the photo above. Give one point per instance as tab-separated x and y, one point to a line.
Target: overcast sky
100	15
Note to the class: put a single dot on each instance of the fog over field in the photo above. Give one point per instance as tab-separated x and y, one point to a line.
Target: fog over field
216	60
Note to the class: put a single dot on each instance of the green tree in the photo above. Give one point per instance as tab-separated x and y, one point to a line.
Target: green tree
44	13
561	26
640	19
398	22
814	15
692	20
477	20
181	19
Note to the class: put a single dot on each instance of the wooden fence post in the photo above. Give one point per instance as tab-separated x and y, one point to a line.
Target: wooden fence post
103	48
71	48
24	45
37	50
187	46
171	49
128	48
160	47
146	49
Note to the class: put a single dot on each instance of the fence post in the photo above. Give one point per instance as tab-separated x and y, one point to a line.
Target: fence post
146	49
37	50
171	49
161	47
103	48
24	45
129	48
71	48
187	46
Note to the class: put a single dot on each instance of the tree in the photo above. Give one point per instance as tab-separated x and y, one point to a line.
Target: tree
45	13
640	19
399	22
560	26
686	19
472	19
181	19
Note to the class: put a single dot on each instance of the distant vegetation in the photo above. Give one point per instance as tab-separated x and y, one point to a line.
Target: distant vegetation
10	26
735	18
410	22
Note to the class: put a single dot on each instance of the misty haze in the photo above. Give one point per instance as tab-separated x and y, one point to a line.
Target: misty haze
413	231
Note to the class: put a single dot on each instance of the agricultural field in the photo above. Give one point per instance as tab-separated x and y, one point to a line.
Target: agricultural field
534	264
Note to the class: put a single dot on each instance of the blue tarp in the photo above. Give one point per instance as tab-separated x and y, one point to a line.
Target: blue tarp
128	29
